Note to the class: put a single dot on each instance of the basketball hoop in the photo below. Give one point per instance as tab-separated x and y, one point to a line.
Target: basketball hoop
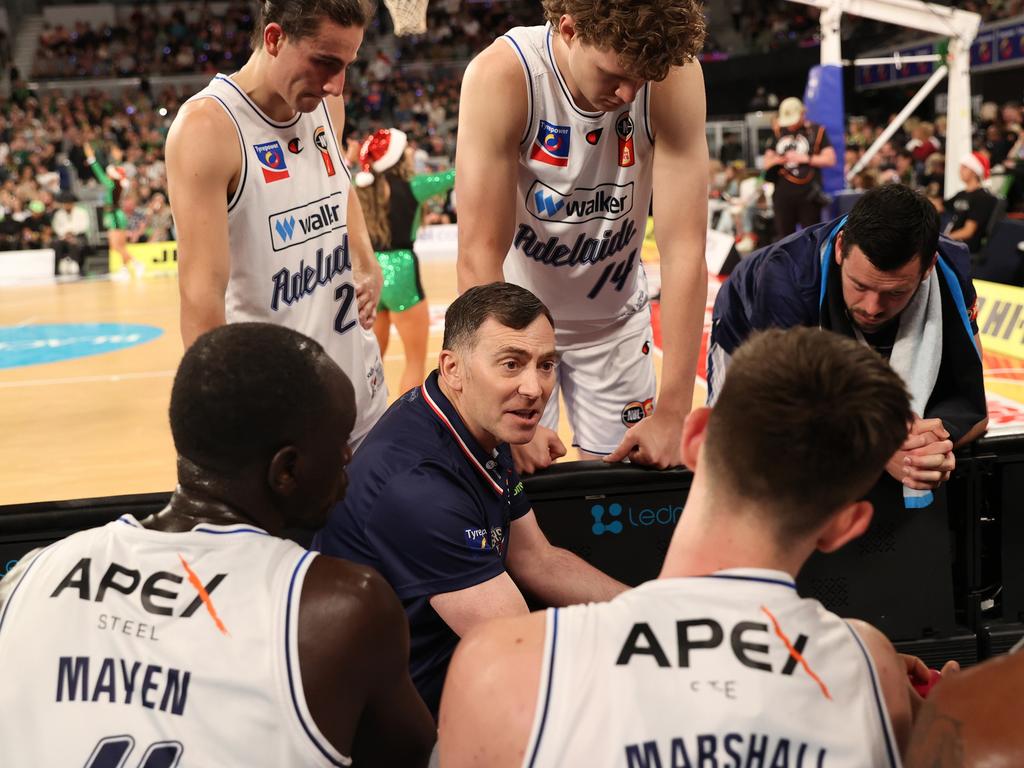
409	16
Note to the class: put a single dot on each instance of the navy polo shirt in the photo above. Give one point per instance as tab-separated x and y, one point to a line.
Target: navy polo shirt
431	510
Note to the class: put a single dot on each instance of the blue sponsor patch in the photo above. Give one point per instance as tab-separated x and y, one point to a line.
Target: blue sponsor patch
38	344
271	160
552	144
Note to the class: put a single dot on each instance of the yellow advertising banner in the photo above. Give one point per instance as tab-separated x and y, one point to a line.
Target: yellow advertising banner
158	258
1001	318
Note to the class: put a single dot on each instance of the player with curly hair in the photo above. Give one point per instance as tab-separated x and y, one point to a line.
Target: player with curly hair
602	110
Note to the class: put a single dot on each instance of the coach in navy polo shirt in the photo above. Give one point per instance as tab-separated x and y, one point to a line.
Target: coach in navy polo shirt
434	502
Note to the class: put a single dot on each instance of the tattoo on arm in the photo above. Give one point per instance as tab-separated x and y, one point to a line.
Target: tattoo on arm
938	742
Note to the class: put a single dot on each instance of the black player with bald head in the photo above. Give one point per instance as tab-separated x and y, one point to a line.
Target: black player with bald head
243	648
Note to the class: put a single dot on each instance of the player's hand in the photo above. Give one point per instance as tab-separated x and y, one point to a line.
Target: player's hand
655	441
368	286
540	453
925	460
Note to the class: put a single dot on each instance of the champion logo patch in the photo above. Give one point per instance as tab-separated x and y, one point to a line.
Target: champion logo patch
271	159
295	146
594	136
552	144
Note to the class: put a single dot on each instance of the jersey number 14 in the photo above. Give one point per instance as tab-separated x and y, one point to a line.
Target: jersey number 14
616	274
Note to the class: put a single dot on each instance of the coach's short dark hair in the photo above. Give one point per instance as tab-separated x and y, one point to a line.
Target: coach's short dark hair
805	424
512	306
302	18
244	391
893	224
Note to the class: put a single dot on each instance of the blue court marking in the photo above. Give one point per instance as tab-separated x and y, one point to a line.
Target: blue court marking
38	344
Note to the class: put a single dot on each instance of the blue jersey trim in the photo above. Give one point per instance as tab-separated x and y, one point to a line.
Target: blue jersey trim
288	665
10	599
647	113
564	87
762	580
879	704
529	89
200	529
256	109
547	695
958	298
826	260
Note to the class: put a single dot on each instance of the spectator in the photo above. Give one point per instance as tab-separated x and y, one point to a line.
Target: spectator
70	228
972	207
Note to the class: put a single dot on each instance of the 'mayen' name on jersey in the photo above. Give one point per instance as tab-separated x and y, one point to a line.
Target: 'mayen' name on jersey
117	681
585	250
290	287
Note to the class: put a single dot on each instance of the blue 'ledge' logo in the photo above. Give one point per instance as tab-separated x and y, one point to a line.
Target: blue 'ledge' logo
37	344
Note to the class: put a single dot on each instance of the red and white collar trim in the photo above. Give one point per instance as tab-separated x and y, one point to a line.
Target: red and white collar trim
461	443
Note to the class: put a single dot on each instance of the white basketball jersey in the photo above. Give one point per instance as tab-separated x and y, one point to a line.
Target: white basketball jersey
290	261
584	190
732	669
126	647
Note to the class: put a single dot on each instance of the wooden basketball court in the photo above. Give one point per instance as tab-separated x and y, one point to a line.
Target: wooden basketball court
97	425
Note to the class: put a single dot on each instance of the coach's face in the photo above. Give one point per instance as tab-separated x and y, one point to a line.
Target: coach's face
309	69
873	297
505	381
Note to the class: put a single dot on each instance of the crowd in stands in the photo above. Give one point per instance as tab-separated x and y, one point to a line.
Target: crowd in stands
407	82
43	165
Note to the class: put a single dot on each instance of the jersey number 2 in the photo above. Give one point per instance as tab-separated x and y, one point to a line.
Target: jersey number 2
113	751
344	293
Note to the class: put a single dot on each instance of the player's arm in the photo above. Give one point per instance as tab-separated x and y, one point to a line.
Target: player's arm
897	693
490	694
680	229
204	161
354	660
486	162
366	271
553	575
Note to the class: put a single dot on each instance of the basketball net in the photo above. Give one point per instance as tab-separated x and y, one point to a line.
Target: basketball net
409	16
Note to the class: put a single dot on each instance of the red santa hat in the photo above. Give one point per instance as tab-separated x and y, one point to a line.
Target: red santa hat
379	152
978	163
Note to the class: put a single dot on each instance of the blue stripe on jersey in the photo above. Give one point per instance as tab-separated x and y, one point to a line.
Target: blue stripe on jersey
647	112
731	577
255	108
288	666
879	704
547	695
561	84
529	88
245	155
10	599
200	529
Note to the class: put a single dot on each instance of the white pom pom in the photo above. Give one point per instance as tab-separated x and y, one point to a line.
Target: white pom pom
364	179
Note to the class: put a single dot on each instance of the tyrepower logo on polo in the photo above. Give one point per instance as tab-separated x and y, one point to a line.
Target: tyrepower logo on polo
605	201
300	225
613	518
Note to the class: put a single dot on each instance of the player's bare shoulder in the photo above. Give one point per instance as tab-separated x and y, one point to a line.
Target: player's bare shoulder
497	73
203	136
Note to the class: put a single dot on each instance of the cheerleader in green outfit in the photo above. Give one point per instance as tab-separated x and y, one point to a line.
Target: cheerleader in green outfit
391	198
114	221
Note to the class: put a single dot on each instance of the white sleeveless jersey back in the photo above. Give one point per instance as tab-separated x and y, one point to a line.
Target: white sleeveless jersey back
288	233
122	646
583	192
732	669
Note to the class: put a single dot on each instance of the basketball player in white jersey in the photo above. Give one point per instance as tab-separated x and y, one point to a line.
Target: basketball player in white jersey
196	637
267	227
719	661
600	109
